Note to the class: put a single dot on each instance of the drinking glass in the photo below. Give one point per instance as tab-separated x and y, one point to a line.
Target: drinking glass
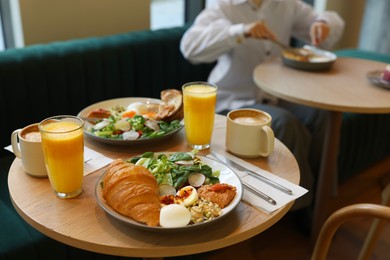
199	100
63	148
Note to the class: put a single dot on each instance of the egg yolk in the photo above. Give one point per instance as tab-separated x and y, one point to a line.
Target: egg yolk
128	114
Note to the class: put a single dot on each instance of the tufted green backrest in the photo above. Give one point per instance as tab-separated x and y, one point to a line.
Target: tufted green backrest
364	54
64	77
365	138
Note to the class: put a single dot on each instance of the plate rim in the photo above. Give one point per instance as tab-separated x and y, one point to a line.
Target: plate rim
311	66
125	142
375	79
132	223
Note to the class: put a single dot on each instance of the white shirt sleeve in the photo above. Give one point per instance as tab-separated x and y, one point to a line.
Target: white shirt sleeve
218	35
210	37
305	15
336	25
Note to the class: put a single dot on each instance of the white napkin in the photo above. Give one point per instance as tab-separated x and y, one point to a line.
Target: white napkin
93	160
280	197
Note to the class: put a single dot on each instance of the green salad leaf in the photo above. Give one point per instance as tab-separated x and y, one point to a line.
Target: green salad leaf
174	169
137	127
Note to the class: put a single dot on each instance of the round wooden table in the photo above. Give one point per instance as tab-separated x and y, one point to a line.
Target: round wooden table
343	88
82	223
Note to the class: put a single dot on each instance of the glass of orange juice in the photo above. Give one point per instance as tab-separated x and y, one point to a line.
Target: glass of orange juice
199	100
63	148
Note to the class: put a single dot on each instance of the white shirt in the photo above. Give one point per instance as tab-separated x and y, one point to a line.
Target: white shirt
217	35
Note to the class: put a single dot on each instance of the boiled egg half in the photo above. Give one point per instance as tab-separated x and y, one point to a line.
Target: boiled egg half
138	107
187	196
174	215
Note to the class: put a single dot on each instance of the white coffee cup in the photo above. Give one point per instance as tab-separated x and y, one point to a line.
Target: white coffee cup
249	133
27	145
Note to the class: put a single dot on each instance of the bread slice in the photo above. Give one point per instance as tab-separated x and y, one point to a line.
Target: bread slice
171	106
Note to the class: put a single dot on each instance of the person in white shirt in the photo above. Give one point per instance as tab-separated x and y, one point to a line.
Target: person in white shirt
235	33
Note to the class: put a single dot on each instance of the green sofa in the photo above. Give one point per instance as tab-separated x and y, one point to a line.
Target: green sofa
365	138
64	77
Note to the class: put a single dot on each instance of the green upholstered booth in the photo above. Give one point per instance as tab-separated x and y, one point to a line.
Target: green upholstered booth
64	77
365	138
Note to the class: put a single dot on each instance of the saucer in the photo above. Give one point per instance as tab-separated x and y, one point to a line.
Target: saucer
375	77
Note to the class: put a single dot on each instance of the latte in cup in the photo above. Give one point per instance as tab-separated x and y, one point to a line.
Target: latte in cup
249	133
31	134
27	146
248	120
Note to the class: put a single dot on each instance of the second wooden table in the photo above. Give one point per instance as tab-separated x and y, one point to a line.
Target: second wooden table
343	88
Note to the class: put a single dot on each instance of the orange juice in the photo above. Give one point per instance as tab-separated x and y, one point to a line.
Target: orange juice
199	100
63	146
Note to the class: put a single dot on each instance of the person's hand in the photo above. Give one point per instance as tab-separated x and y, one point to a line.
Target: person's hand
319	31
258	30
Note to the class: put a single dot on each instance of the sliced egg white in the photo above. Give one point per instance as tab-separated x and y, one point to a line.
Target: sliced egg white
138	107
174	215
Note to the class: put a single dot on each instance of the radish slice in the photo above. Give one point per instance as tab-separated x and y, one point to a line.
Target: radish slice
101	125
130	135
192	155
190	162
196	179
153	125
122	125
166	189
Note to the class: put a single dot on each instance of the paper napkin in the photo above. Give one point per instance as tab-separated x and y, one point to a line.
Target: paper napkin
93	160
280	197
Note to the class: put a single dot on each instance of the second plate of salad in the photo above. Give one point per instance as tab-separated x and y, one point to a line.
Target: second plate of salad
128	121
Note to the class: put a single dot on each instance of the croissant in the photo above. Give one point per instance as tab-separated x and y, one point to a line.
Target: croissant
132	191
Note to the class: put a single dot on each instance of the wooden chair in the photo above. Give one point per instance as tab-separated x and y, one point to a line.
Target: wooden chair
347	213
375	229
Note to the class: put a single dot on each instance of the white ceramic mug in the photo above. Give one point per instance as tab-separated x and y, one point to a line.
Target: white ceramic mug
249	133
27	145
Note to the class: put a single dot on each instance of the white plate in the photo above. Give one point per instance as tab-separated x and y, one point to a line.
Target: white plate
122	102
375	77
227	176
323	60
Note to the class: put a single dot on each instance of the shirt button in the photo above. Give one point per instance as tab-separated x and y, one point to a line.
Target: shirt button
268	53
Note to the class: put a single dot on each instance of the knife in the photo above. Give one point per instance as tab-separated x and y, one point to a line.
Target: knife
251	173
256	191
259	193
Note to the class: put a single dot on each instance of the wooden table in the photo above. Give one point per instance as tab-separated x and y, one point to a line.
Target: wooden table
343	88
80	222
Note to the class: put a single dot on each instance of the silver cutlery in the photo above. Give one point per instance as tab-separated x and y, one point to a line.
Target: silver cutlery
253	189
251	173
259	193
299	52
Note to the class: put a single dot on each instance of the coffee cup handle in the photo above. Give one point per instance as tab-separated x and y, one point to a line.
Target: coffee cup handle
15	143
269	145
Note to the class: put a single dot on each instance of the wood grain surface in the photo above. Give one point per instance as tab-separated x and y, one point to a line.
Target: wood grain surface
344	88
80	222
